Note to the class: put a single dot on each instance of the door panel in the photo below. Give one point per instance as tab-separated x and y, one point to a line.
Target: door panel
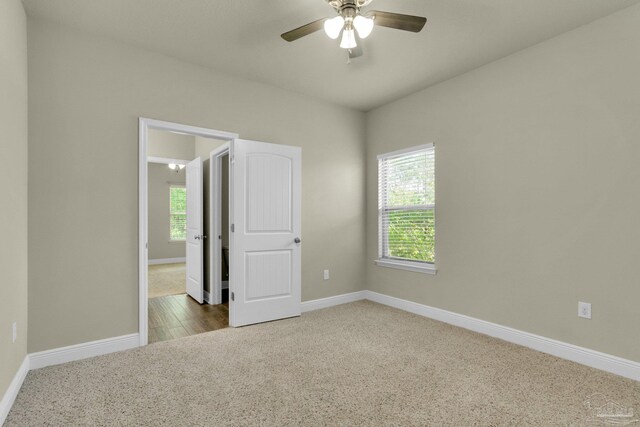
266	260
268	184
195	244
268	274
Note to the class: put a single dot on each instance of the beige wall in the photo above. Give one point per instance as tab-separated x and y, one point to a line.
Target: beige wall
13	173
82	273
170	145
537	182
204	146
160	177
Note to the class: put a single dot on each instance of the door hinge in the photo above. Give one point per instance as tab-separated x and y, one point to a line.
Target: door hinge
233	296
233	228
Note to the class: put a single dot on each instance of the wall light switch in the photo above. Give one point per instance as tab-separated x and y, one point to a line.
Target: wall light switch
584	310
14	332
326	275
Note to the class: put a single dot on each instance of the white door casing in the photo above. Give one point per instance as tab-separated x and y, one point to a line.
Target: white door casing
265	265
195	237
215	210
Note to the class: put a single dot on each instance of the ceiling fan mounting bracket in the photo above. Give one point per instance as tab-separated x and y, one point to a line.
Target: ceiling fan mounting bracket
340	5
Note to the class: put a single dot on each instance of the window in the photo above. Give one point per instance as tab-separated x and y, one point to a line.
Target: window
177	213
406	209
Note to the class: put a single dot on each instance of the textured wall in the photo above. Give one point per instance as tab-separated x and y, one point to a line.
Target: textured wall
537	184
13	173
170	145
85	99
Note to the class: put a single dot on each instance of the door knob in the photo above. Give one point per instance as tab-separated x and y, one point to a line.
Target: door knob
198	237
297	240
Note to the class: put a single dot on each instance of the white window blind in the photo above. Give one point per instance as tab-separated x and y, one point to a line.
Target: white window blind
406	205
177	212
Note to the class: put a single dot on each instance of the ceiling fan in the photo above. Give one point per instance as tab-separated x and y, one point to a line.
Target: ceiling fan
351	20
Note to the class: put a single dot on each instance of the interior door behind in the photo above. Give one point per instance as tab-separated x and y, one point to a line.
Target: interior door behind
195	237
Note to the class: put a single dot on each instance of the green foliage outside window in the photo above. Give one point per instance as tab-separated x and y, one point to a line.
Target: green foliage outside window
177	213
412	235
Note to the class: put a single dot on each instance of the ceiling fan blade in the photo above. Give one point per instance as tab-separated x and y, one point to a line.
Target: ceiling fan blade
305	30
398	21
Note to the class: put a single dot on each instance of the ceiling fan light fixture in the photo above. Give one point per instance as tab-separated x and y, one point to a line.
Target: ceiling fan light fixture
363	26
348	39
352	18
333	26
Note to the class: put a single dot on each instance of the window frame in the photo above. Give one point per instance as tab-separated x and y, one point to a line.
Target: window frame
400	263
171	213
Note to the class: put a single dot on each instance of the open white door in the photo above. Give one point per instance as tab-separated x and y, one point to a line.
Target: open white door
265	264
195	244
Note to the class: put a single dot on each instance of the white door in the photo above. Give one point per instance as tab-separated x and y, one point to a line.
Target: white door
265	242
195	244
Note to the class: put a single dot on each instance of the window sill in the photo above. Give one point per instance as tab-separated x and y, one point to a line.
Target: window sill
177	241
407	265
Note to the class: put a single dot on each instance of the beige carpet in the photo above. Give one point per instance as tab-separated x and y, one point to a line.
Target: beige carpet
167	279
355	364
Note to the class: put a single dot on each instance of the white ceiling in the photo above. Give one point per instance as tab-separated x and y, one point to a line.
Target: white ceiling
242	37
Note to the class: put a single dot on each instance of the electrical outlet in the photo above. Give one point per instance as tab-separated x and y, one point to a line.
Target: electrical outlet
326	275
14	332
584	310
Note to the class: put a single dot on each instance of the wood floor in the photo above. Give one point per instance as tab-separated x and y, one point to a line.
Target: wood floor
176	316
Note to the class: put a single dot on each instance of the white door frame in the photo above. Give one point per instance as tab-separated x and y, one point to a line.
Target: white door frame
215	221
143	212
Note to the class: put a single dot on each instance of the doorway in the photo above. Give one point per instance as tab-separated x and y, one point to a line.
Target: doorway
261	252
174	310
174	161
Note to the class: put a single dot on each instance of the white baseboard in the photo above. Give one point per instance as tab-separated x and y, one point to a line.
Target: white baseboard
82	351
317	304
11	393
167	261
595	359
